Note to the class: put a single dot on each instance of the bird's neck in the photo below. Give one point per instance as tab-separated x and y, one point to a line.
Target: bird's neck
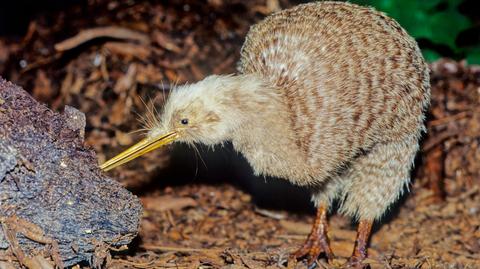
253	101
264	134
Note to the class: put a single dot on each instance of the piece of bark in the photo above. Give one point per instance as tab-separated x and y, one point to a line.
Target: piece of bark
165	203
48	178
435	167
129	50
110	31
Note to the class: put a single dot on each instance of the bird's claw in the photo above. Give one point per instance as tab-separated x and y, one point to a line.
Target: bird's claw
355	263
312	248
317	242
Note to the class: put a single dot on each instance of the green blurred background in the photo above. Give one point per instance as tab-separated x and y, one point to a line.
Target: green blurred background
443	28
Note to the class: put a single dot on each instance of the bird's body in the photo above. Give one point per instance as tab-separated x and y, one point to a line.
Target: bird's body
350	78
329	95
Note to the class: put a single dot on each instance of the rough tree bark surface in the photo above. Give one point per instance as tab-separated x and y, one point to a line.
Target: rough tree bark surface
51	181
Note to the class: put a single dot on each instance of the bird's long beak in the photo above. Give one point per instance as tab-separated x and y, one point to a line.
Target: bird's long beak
146	145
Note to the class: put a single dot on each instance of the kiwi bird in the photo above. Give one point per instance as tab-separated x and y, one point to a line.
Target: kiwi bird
328	95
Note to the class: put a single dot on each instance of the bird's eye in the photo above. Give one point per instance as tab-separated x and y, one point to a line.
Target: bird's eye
184	121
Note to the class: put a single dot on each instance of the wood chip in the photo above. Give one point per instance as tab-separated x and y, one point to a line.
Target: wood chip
129	50
99	32
165	203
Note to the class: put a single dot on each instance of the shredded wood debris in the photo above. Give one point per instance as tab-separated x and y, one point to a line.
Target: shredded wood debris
193	224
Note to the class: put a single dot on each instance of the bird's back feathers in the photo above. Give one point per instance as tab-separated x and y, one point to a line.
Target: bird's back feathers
350	76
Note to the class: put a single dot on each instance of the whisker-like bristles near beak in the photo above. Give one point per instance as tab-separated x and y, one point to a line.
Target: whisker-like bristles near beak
146	145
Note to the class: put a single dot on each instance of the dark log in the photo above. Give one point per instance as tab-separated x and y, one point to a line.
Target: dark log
51	180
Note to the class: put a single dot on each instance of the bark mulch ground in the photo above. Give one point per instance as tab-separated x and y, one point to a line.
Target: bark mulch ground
113	60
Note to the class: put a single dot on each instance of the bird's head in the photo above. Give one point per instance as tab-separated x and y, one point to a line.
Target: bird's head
197	113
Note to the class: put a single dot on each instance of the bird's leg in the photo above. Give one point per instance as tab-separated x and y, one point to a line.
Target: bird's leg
360	249
317	242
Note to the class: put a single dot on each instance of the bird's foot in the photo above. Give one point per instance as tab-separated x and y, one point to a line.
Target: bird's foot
313	247
356	263
317	242
359	255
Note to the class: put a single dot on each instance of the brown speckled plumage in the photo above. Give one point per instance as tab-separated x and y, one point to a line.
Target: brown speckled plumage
329	95
351	77
356	86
